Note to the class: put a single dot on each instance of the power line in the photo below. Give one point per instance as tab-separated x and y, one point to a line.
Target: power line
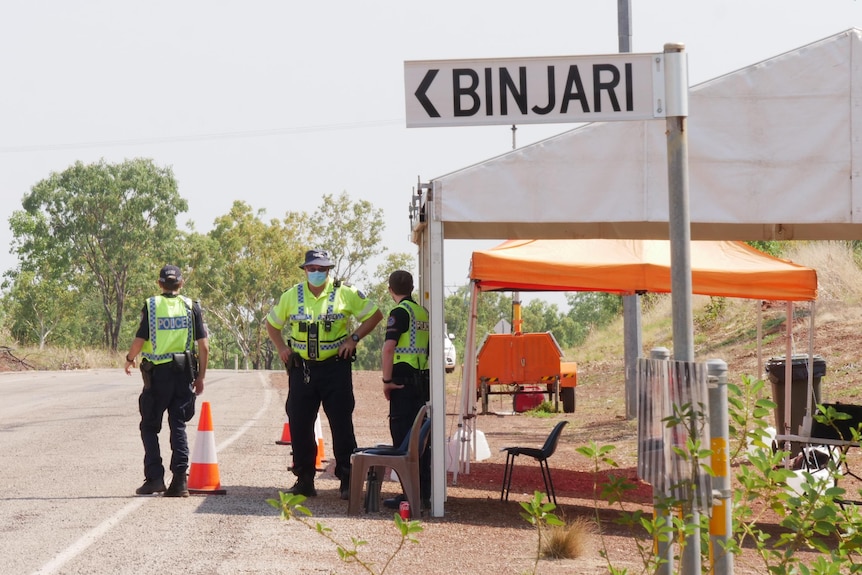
201	137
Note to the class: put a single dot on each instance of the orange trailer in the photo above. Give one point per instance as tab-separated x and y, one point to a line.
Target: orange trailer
525	363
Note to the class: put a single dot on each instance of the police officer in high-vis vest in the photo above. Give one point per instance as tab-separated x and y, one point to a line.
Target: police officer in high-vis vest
170	326
318	354
405	372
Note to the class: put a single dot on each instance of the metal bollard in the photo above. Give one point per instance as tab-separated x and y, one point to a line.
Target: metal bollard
720	526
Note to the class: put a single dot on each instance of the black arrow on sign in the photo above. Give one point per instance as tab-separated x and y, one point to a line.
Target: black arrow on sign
423	99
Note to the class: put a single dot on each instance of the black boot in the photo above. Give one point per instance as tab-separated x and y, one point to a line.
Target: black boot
179	485
344	488
304	486
151	486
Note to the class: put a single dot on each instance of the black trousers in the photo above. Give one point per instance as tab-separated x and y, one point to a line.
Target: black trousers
329	384
169	391
404	404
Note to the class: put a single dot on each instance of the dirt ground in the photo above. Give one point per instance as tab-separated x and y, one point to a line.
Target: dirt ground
487	529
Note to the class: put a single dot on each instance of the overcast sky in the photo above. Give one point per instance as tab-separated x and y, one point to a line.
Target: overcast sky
279	102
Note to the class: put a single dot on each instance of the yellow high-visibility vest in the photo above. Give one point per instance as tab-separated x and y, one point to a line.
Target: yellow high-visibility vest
171	328
412	346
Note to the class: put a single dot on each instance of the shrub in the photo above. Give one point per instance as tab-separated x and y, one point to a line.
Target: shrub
568	541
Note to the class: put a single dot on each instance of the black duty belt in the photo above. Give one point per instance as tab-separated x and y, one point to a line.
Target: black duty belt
321	361
165	365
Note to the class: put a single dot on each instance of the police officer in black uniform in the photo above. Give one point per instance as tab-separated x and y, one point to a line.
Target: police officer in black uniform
405	372
170	325
316	314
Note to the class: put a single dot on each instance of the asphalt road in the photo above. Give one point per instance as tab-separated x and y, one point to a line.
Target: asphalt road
71	458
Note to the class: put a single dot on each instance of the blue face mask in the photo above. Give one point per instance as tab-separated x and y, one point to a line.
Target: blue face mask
317	279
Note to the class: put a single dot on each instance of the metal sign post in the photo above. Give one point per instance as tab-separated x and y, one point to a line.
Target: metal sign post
680	248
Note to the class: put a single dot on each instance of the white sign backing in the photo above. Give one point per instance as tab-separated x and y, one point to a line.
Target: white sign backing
534	90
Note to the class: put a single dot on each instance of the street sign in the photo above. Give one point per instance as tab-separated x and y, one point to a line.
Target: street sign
534	90
503	326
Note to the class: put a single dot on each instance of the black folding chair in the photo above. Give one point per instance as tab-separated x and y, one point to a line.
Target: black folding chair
540	455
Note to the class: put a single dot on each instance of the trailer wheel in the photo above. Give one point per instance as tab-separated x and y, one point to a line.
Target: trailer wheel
567	395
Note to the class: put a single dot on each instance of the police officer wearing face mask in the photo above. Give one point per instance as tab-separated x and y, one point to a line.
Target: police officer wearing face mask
318	355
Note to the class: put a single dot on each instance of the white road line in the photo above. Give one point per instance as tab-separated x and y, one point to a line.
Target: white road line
89	538
99	531
239	432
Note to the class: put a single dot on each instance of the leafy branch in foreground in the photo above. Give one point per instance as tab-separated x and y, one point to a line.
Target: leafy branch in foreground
809	510
613	492
291	507
814	515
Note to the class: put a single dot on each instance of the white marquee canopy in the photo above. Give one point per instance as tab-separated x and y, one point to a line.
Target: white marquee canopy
774	153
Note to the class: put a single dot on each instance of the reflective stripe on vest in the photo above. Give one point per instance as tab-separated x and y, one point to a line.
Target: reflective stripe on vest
324	346
412	346
171	328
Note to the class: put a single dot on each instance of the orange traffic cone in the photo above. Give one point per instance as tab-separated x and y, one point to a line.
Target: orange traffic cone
285	433
318	434
203	475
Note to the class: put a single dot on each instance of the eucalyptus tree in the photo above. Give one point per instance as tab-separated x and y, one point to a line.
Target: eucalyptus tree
351	231
541	316
37	298
98	226
592	310
250	262
40	308
491	307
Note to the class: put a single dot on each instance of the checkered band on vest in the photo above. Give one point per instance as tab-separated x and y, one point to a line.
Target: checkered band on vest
414	327
412	353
